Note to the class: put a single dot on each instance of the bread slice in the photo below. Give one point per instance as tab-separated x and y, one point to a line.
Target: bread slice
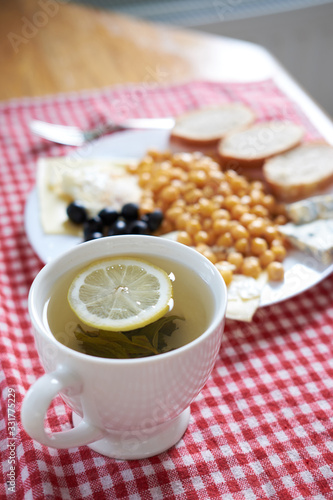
206	126
251	146
301	172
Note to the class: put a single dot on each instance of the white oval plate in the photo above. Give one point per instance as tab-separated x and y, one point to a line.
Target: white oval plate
302	271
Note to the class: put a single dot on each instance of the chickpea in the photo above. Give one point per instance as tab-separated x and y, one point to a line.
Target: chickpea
208	192
275	271
245	199
258	246
220	255
224	189
268	201
230	175
206	206
257	227
238	210
185	238
279	252
194	209
276	242
176	183
230	201
193	226
210	255
256	197
201	247
251	267
225	240
199	177
132	168
236	258
239	231
247	218
270	233
221	213
182	221
188	186
225	271
260	211
233	223
170	193
144	167
266	258
201	237
280	220
144	179
192	196
238	183
218	199
146	207
258	185
166	166
173	213
179	203
182	160
221	226
216	176
242	245
177	174
166	227
207	224
204	163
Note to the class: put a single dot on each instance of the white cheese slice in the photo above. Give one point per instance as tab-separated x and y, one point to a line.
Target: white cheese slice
97	183
244	295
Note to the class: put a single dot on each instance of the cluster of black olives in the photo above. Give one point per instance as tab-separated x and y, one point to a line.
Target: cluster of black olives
109	222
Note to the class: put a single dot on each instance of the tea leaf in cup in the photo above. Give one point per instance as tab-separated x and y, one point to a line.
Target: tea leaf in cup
146	341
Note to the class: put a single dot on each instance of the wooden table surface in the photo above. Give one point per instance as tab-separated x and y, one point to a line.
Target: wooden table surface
50	46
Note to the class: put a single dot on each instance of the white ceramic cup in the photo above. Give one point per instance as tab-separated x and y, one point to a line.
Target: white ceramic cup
125	409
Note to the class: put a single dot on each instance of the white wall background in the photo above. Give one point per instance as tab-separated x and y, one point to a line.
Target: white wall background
302	40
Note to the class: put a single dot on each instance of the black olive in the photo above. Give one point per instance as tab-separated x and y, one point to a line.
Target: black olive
76	212
138	227
88	236
108	215
153	219
118	227
95	224
130	211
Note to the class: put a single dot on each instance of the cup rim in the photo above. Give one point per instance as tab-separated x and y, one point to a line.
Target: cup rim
41	329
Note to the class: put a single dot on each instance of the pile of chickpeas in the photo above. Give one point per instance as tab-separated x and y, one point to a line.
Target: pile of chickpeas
227	218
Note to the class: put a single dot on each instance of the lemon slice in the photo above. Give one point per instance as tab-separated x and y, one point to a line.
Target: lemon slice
120	294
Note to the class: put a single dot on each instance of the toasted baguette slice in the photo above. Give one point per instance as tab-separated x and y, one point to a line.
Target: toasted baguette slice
300	172
206	126
251	146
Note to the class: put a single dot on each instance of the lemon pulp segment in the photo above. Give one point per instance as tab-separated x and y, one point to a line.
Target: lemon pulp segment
120	294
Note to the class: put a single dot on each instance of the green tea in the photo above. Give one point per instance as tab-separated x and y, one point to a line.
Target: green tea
192	298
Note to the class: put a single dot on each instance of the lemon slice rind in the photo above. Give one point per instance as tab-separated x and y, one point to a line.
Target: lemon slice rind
120	294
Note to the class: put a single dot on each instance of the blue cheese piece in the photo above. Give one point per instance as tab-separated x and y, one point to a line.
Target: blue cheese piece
315	238
318	207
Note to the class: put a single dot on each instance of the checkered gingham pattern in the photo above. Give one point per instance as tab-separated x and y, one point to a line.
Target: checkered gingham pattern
261	428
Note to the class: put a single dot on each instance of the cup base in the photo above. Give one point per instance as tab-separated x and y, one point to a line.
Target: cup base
136	444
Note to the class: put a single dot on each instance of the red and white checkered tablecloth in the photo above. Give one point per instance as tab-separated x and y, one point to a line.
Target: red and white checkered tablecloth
261	428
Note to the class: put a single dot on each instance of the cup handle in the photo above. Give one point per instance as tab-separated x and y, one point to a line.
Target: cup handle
36	403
